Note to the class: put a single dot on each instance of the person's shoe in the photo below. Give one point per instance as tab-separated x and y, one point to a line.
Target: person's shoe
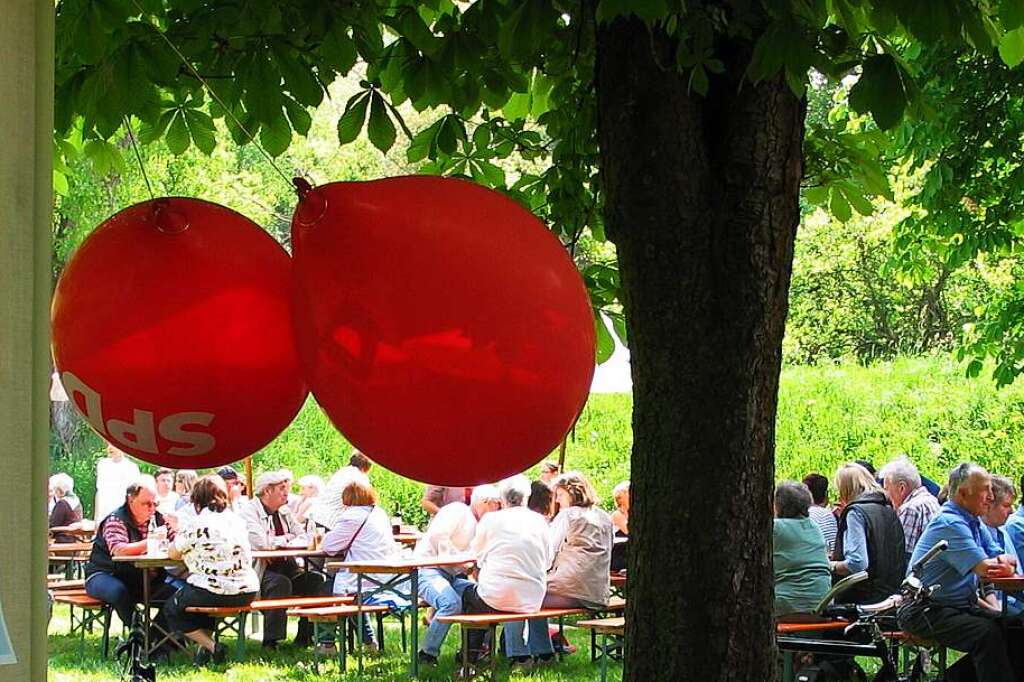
524	663
545	659
203	657
426	659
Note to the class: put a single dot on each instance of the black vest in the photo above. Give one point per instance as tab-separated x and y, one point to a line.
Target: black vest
100	559
887	559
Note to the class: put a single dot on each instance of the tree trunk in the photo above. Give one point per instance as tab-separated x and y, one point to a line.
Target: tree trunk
702	202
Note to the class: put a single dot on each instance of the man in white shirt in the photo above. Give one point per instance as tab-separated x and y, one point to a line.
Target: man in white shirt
450	532
327	506
513	554
114	473
166	498
271	525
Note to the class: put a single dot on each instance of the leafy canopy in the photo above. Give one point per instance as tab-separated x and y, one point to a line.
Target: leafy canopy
505	78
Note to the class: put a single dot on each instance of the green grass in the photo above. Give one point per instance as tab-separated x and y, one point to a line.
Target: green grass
923	407
66	665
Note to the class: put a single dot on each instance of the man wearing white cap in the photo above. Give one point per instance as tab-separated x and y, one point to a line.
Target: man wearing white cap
327	507
272	525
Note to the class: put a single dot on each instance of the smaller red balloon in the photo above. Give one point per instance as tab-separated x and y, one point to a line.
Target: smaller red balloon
172	336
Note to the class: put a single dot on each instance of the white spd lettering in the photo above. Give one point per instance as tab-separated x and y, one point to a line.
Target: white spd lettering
179	428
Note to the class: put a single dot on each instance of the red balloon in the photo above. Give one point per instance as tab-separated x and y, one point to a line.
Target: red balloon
171	334
441	326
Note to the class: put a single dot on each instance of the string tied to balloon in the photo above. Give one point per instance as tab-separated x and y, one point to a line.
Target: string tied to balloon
213	94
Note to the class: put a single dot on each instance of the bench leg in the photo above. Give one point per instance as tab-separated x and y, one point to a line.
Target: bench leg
341	642
787	666
604	655
465	651
561	637
380	632
240	644
108	613
494	652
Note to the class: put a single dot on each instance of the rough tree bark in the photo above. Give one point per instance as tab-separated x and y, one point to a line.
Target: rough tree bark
702	203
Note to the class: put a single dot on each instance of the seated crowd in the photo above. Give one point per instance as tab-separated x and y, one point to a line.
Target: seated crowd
884	526
526	546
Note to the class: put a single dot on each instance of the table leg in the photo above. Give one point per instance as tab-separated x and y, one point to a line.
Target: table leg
145	615
787	666
359	623
414	661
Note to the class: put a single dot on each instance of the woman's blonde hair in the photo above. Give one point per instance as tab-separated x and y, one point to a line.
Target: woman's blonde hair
358	494
578	487
853	480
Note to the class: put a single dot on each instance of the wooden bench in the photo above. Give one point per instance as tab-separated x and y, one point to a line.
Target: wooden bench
491	621
234	618
606	627
92	611
62	585
331	617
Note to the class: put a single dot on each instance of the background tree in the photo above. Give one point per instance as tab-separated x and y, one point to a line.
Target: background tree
676	127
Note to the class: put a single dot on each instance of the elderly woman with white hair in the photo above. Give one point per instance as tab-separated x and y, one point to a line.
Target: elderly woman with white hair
310	487
66	507
581	537
513	553
869	538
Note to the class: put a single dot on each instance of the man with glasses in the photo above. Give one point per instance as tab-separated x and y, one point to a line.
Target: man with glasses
124	533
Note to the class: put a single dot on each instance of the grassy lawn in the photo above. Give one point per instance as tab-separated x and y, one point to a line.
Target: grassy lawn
67	665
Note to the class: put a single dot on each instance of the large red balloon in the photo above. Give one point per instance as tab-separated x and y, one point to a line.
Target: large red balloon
441	326
171	333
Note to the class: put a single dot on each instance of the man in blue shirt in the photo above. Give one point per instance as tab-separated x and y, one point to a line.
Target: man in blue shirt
1015	525
955	616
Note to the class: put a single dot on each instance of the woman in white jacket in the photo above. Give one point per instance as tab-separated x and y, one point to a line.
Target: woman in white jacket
581	537
361	533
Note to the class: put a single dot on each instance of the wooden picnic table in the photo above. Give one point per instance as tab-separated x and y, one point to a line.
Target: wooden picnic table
1006	586
74	529
401	571
56	548
407	538
149	562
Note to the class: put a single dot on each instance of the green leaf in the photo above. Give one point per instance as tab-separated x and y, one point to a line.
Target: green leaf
517	107
299	79
200	125
838	206
351	122
105	157
605	343
856	199
619	325
698	80
416	31
880	90
482	137
487	173
380	129
1011	47
177	136
817	195
298	116
423	142
1011	13
60	183
276	135
339	49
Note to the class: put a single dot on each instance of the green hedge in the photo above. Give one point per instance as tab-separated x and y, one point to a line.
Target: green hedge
827	415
